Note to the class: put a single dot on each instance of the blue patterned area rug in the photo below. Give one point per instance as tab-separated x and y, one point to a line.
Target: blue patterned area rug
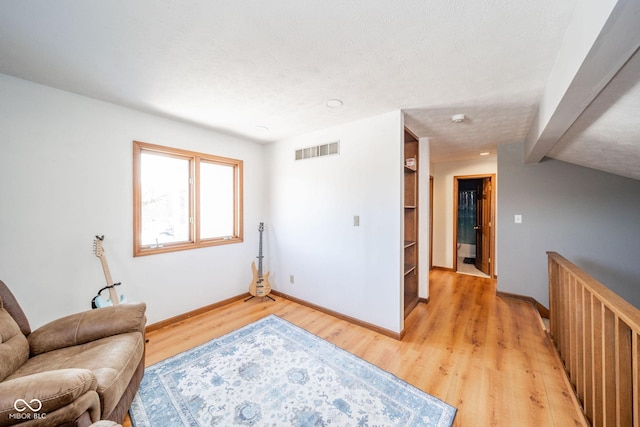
273	373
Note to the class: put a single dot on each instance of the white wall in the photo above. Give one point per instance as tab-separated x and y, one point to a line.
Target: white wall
443	174
356	271
66	175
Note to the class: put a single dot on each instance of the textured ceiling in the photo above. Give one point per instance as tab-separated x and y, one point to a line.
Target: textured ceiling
607	134
233	66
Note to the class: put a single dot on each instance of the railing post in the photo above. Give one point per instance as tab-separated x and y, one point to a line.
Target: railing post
635	346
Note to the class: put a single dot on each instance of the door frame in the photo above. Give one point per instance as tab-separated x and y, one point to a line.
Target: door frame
492	233
430	222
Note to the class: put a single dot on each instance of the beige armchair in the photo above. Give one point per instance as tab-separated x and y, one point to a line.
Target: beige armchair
74	371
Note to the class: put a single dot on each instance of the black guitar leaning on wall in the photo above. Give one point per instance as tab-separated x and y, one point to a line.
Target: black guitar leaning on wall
259	286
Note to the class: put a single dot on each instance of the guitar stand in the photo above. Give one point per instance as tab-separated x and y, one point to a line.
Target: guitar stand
266	296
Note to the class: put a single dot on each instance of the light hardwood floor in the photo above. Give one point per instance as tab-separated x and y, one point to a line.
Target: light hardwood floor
487	356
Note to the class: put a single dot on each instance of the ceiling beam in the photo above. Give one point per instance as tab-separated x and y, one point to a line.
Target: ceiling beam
600	39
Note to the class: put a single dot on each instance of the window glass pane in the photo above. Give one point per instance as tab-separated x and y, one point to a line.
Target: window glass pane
165	199
216	200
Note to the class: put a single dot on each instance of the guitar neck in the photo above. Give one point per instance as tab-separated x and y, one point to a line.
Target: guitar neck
260	229
260	257
107	275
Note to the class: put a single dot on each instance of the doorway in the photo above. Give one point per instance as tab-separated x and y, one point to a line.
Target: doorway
473	221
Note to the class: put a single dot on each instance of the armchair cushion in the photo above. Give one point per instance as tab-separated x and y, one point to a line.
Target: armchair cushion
14	348
81	328
112	360
53	390
81	412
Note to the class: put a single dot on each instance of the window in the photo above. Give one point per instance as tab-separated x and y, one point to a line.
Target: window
184	200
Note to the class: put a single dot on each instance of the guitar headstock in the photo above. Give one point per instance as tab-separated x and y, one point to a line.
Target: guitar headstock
261	227
97	246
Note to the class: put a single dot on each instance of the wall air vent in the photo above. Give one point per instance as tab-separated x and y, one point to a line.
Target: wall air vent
318	151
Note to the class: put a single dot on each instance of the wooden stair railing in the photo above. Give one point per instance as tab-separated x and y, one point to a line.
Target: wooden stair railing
597	334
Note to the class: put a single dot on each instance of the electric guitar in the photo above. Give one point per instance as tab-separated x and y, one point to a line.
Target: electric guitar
99	300
259	286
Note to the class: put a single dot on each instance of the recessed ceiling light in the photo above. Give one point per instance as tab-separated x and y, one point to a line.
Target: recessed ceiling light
458	118
485	153
262	128
334	103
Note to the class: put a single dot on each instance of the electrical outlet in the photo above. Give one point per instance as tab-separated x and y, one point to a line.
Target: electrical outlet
291	280
356	220
517	219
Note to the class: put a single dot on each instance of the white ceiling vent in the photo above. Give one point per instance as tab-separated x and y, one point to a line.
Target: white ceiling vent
318	151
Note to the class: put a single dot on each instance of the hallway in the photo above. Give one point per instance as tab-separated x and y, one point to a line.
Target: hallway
494	361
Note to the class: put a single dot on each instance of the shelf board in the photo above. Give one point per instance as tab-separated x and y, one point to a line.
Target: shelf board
408	169
408	243
410	207
408	268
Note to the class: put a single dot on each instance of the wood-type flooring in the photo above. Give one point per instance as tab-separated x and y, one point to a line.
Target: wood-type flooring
488	356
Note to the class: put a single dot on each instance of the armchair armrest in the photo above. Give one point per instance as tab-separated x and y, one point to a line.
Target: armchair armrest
81	328
42	394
